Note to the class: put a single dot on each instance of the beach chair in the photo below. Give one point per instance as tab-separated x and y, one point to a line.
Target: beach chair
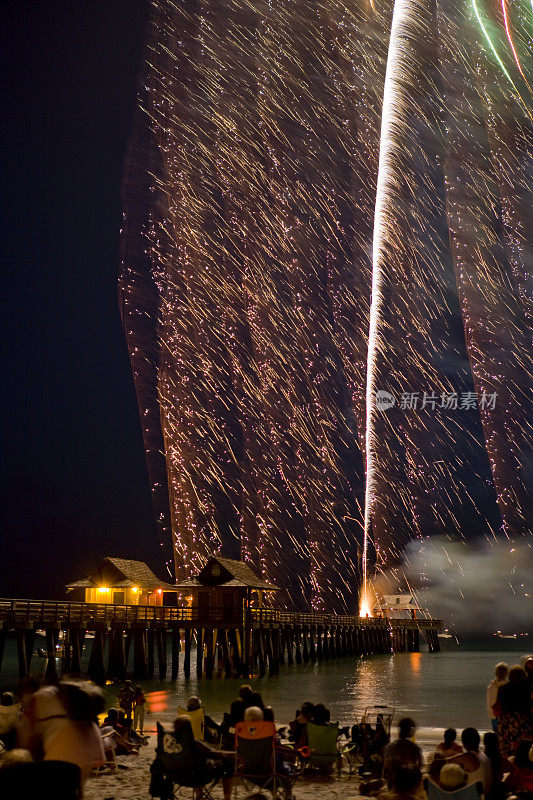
255	759
473	791
110	760
178	765
197	718
47	780
324	753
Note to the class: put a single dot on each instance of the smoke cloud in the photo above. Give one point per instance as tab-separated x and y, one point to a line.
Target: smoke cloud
476	588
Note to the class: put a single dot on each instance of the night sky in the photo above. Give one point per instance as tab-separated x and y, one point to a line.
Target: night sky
74	484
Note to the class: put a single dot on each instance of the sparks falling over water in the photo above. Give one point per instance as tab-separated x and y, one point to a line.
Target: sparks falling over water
260	326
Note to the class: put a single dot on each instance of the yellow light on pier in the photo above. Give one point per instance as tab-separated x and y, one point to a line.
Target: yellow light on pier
103	589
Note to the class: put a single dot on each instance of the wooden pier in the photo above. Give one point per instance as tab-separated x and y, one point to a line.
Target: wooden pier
257	642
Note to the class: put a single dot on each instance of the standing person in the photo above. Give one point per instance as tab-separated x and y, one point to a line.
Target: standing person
126	699
528	667
138	709
62	726
513	710
501	671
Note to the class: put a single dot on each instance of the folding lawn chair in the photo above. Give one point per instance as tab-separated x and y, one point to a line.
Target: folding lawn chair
178	764
197	718
324	753
255	759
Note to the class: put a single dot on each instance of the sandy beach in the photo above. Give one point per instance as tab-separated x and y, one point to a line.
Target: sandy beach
133	782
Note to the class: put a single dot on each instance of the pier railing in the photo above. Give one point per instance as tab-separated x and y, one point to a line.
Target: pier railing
20	612
227	640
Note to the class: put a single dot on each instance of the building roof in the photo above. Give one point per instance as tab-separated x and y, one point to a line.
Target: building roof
241	572
233	574
122	573
396	601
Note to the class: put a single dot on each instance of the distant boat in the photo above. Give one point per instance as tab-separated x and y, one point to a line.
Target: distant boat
446	634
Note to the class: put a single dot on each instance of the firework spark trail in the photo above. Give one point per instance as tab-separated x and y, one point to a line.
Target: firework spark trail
493	317
510	39
400	63
261	158
246	244
417	341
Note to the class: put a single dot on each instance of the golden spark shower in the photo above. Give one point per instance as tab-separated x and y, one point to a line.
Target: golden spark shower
325	283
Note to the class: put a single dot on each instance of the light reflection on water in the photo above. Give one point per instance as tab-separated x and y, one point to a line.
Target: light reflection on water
436	689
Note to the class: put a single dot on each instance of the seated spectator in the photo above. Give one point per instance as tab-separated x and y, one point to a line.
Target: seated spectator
500	765
210	759
113	720
471	741
268	714
211	728
121	741
449	747
476	764
298	727
253	714
236	712
406	783
321	715
452	777
521	778
9	719
500	677
128	731
110	744
249	697
403	752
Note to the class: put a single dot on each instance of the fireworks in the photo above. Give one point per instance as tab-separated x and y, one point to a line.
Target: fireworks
248	289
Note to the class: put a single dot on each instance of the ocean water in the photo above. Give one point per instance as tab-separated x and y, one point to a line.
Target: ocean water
436	689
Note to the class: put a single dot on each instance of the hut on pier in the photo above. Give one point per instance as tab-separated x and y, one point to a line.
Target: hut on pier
398	606
125	582
225	590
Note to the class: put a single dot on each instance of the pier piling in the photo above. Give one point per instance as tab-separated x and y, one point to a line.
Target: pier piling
259	640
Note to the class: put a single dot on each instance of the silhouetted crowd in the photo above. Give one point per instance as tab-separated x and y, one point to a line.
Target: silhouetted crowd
60	723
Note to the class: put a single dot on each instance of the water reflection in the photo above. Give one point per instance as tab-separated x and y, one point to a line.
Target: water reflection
437	690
